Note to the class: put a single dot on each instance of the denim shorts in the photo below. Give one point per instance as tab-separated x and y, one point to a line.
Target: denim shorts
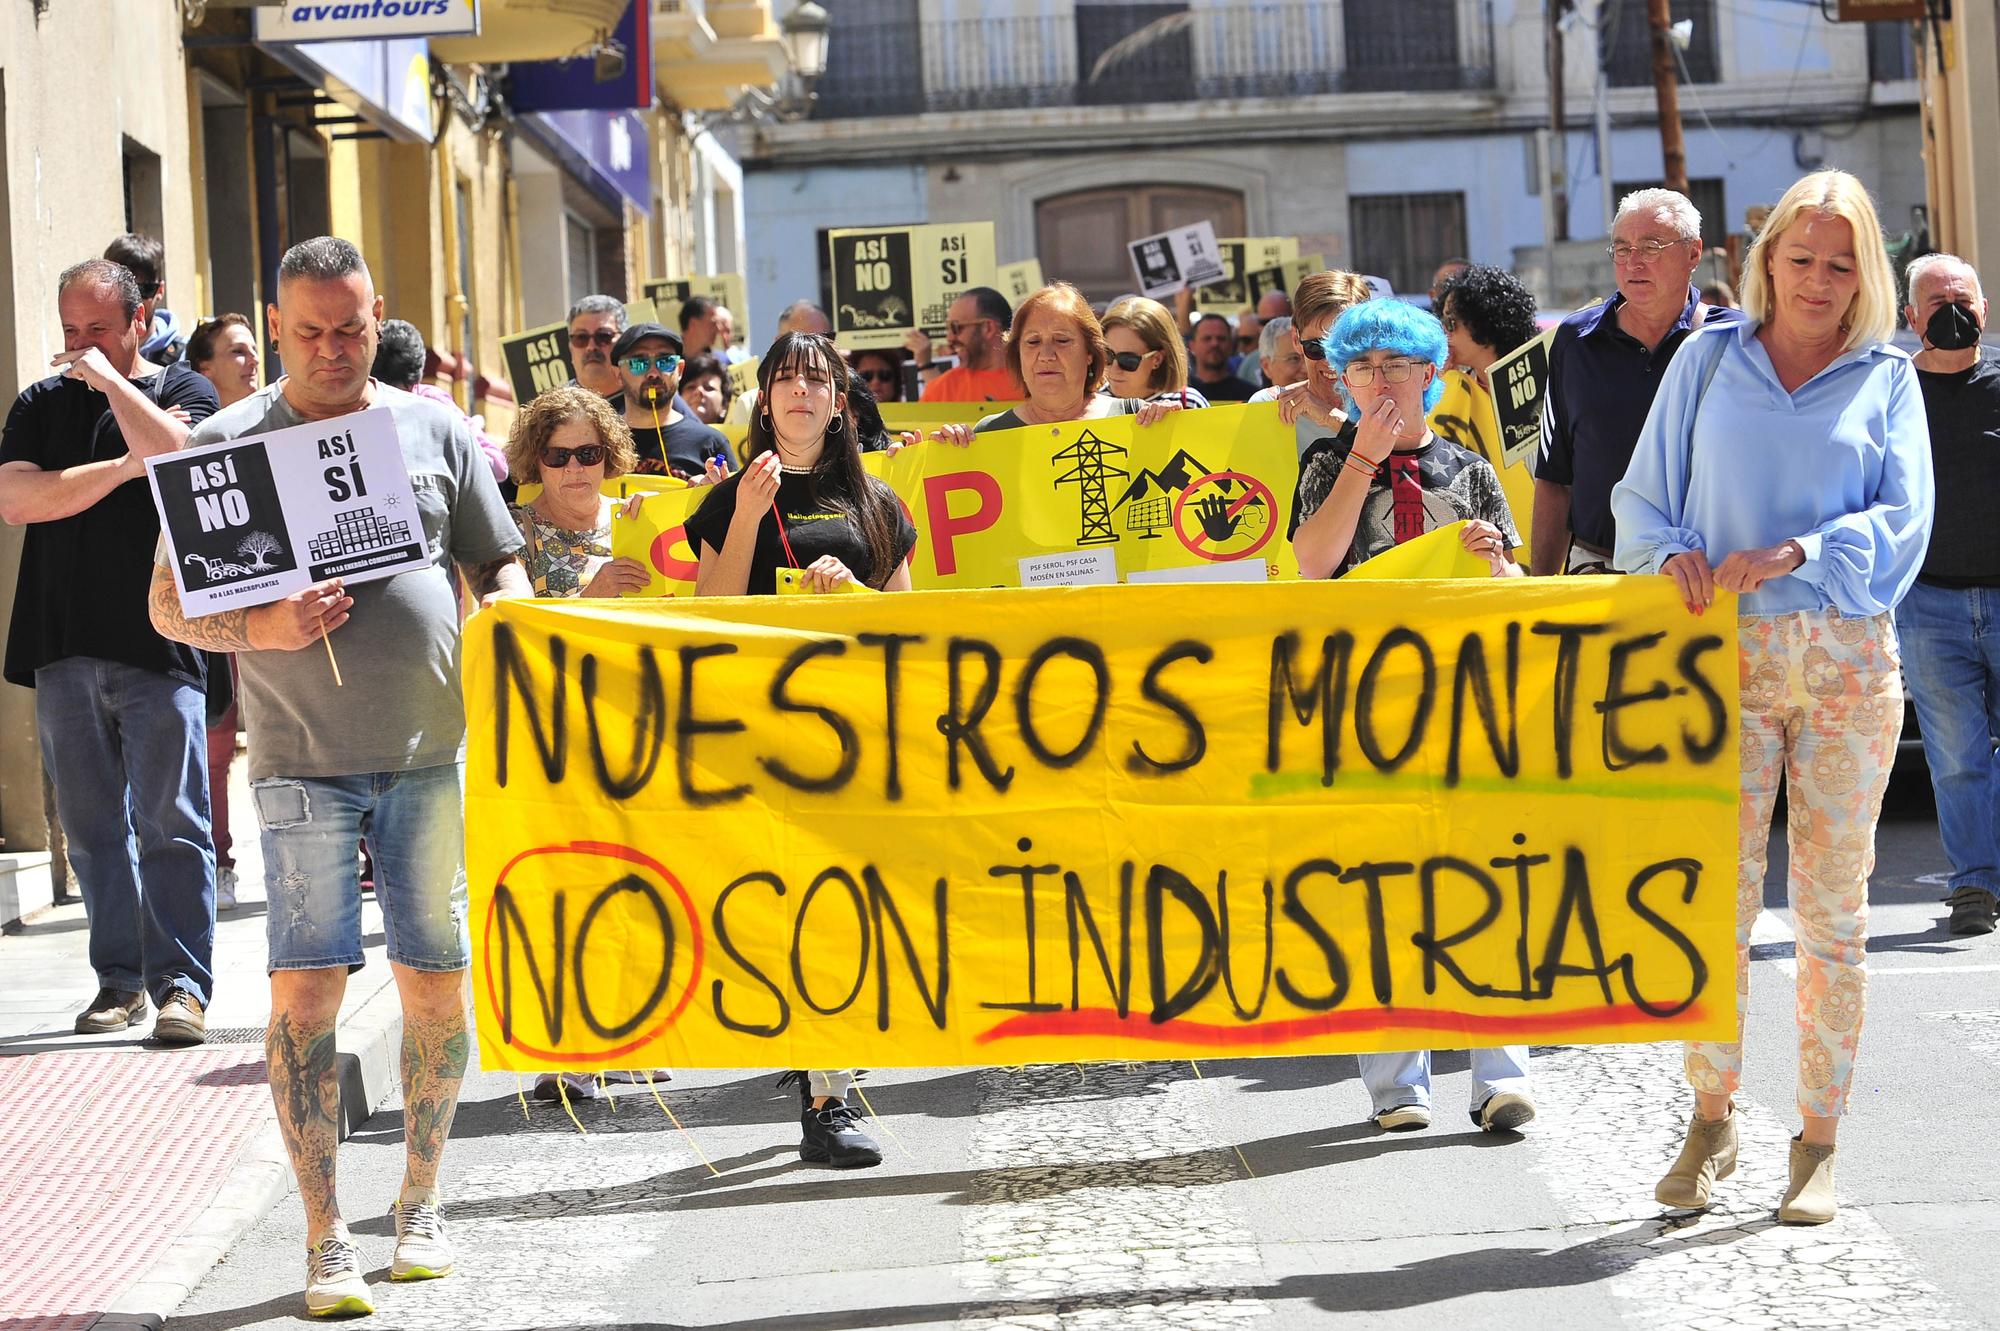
312	828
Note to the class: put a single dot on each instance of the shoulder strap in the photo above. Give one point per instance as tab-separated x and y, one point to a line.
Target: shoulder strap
1708	369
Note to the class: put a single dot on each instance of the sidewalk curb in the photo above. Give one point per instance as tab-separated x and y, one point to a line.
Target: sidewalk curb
368	1042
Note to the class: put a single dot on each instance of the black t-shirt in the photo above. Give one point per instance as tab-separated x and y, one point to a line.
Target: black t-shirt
814	527
1226	389
84	578
683	447
1964	413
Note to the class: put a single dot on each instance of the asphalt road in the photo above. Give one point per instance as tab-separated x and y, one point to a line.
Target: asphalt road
1254	1194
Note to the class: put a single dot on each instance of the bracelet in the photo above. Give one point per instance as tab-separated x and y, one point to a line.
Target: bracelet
1361	465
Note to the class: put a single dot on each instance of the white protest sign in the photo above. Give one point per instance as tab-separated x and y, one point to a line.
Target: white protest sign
1184	257
252	520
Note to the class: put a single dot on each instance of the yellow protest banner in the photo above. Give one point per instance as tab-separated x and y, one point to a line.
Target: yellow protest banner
888	281
1435	554
657	537
1018	281
1199	496
1465	416
927	416
969	828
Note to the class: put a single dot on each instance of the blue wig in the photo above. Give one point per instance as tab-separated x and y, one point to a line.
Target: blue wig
1387	325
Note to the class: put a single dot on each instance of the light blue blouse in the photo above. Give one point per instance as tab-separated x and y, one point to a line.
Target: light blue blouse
1842	466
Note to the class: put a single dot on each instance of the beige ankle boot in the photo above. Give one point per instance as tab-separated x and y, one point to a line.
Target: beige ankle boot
1708	1154
1809	1199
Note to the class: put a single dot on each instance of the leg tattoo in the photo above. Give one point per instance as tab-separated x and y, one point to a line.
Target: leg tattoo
306	1088
435	1050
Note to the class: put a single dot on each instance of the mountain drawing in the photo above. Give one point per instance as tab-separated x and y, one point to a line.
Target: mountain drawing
1181	471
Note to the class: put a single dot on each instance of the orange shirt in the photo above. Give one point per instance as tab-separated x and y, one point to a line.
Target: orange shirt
962	385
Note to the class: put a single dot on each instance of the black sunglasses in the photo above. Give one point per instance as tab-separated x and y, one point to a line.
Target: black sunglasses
1312	348
603	337
1128	361
555	459
878	376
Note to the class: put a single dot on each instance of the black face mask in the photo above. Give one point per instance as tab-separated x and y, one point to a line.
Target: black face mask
1952	328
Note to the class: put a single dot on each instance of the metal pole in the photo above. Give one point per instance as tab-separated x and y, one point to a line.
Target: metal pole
1673	149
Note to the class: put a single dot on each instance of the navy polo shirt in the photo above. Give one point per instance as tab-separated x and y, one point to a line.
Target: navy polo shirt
1601	385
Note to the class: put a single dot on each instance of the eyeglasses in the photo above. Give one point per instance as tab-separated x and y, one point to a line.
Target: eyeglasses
603	337
1361	374
1450	322
1245	342
1644	252
664	364
877	376
1129	361
956	329
555	459
1312	348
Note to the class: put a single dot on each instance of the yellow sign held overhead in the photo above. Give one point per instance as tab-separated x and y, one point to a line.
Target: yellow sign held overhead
1099	823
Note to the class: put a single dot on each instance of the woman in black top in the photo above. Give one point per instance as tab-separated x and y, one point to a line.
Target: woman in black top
803	501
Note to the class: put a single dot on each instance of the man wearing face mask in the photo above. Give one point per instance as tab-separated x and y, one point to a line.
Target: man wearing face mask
665	437
1949	624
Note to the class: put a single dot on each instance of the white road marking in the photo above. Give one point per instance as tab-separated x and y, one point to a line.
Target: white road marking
1092	1195
1610	1124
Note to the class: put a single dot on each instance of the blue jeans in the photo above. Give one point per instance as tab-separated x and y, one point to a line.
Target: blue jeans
1951	655
1395	1080
312	829
127	751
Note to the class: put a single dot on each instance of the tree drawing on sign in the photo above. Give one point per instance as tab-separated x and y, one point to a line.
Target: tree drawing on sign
1093	468
258	547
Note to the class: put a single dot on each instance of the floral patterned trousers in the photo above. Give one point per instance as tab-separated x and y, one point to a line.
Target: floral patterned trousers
1822	706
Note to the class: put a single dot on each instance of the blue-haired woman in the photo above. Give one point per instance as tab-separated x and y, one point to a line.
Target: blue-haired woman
1385	479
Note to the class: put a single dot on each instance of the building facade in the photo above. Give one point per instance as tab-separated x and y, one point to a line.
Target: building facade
1388	135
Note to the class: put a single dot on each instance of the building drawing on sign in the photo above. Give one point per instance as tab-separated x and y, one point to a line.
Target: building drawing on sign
356	531
1093	468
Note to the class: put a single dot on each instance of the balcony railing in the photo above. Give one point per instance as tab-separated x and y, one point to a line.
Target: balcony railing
1115	54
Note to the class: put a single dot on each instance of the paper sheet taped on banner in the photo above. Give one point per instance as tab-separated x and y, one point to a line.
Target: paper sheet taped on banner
1104	822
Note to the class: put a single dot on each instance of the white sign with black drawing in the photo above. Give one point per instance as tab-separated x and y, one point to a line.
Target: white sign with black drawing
253	520
1187	256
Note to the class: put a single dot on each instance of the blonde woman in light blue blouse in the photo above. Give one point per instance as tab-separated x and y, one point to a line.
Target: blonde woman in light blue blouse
1787	460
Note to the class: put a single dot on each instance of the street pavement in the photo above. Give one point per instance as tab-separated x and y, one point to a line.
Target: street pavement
1238	1193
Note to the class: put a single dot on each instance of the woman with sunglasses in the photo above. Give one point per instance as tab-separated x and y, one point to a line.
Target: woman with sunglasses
881	371
1147	357
569	442
803	502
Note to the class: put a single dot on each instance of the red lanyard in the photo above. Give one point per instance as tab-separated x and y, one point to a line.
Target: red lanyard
790	558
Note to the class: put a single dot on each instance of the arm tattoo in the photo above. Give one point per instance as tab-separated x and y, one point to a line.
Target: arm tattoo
484	579
225	631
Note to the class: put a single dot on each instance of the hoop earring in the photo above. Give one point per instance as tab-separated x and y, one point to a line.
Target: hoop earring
833	426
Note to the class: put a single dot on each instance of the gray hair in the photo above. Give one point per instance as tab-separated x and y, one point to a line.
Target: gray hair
799	307
1921	268
104	273
1687	218
1273	337
321	259
598	304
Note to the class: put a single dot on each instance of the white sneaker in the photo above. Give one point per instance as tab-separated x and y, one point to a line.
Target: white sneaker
422	1250
334	1287
225	887
1403	1118
1507	1111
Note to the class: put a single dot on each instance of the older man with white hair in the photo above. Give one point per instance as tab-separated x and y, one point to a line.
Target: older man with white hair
1604	366
1949	624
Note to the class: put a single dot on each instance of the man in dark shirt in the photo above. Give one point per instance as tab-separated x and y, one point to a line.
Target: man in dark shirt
666	438
1211	346
1605	365
1949	624
120	709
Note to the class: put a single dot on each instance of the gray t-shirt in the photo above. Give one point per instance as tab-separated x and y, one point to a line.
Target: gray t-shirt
400	708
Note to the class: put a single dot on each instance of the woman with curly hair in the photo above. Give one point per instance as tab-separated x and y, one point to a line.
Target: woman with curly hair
1486	313
569	441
